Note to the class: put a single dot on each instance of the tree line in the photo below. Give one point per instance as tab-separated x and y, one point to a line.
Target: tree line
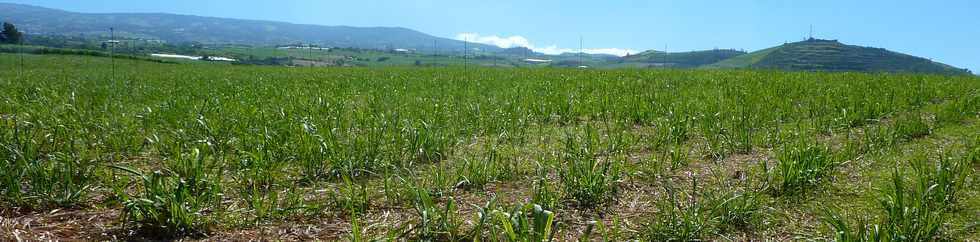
10	34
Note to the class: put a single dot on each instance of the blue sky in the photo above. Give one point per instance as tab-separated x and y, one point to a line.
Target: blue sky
946	31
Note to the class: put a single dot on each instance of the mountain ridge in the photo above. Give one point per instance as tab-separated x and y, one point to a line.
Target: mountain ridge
193	28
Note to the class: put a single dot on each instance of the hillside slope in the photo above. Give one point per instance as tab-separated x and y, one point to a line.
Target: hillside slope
742	61
683	59
831	55
186	28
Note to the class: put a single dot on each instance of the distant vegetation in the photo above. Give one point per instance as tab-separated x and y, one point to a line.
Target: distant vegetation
812	55
38	50
683	59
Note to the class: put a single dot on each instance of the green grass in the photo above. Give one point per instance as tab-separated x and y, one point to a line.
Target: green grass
421	153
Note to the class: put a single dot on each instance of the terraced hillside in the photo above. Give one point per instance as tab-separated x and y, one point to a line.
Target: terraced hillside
831	55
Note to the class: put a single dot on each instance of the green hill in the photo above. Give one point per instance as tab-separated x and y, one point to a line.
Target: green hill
742	61
831	55
681	59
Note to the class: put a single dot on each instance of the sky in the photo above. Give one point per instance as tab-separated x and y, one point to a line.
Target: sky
945	31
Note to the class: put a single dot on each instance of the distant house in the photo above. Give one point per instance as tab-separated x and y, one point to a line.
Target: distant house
106	44
292	47
537	61
402	50
204	58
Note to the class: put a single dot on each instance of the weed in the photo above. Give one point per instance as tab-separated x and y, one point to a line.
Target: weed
958	109
517	228
38	172
910	215
544	194
435	223
681	216
589	182
477	173
911	126
800	166
606	234
677	157
740	211
844	233
352	198
60	181
166	205
943	178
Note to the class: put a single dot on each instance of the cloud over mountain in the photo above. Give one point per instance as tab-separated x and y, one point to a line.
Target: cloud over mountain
521	41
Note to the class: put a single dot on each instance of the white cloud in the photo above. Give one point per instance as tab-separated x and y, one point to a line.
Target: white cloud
508	42
610	51
520	41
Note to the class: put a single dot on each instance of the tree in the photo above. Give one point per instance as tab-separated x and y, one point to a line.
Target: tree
10	35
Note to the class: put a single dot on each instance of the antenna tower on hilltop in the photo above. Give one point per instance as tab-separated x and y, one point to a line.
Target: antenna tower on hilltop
581	51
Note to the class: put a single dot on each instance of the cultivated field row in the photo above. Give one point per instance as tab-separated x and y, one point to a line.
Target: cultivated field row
220	152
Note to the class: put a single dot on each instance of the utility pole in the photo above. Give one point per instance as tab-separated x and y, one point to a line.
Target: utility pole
139	53
64	71
112	51
581	51
811	31
24	36
525	54
134	60
275	54
435	52
665	56
465	49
